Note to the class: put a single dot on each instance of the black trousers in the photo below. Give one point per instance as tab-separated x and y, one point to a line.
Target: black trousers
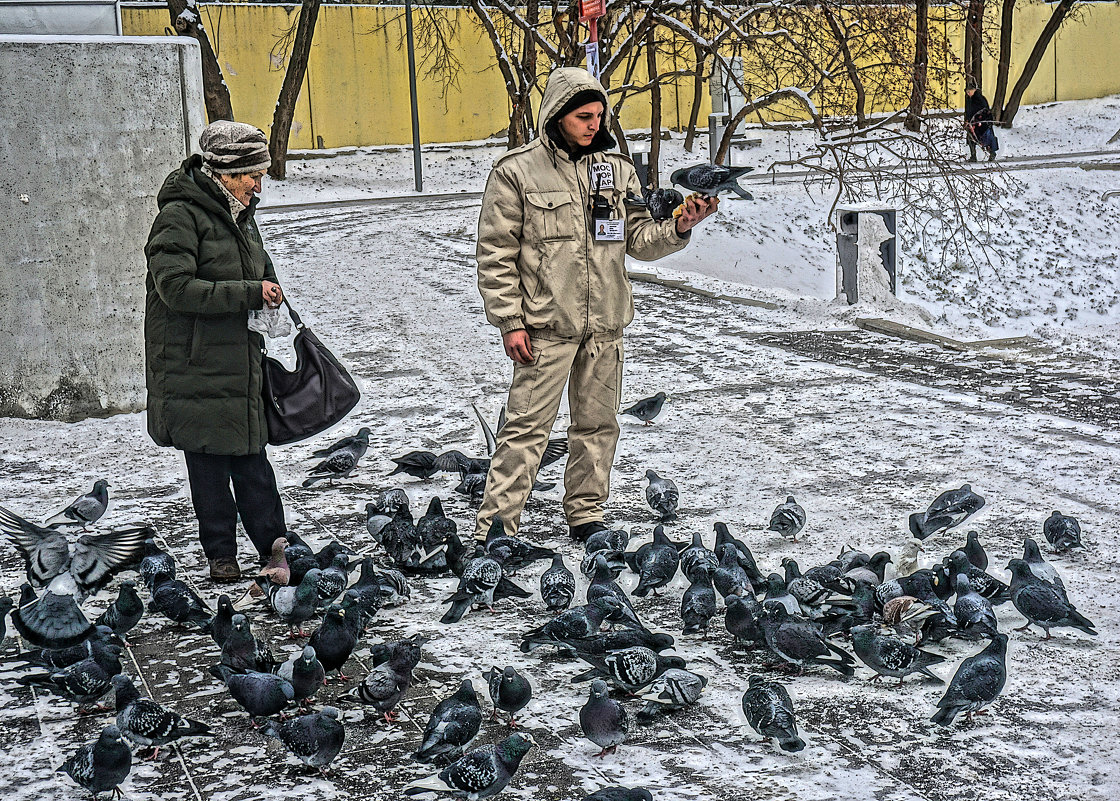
254	495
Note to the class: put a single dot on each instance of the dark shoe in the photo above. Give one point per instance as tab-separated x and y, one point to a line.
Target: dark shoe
224	568
972	158
991	157
581	532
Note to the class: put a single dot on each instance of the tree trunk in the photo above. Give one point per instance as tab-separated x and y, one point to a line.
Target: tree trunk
1052	25
289	90
850	68
187	22
1006	28
974	42
697	81
921	67
654	108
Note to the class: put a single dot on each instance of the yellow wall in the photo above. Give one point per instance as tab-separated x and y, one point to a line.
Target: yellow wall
356	90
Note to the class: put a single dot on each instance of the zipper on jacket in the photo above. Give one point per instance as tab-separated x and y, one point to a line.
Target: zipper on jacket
586	251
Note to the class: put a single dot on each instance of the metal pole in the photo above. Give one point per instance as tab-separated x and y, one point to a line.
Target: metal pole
417	167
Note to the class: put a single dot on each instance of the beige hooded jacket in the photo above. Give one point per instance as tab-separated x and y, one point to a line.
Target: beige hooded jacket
539	266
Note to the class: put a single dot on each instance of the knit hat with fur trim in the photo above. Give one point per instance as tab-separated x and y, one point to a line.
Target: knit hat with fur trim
229	148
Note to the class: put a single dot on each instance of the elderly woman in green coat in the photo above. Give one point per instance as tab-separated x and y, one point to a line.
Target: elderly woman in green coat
207	269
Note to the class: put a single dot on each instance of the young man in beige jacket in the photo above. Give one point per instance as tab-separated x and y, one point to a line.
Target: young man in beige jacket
552	240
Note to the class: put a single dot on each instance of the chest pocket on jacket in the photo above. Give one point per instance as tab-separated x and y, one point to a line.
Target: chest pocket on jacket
550	215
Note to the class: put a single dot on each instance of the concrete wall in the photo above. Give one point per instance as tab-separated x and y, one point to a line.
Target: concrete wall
356	89
89	128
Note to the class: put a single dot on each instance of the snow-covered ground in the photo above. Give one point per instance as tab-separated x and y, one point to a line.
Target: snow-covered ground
750	419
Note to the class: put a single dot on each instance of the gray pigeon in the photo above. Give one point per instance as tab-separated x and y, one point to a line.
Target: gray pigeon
102	765
696	556
335	639
315	739
1041	568
698	604
662	496
799	642
674	689
1041	603
662	203
124	612
889	656
630	669
975	617
149	724
156	564
452	725
293	605
647	408
509	691
742	618
384	686
729	577
306	673
769	711
243	653
259	694
418	464
709	180
572	624
948	510
788	519
975	551
176	601
221	624
1063	532
655	563
84	682
558	585
977	682
343	459
480	773
85	509
604	721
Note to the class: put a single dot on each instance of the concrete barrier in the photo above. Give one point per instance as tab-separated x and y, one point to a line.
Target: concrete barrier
89	128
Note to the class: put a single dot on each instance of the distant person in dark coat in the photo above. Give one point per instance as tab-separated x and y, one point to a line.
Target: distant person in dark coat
207	269
978	123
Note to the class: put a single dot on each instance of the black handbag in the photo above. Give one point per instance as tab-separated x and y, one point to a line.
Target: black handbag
299	404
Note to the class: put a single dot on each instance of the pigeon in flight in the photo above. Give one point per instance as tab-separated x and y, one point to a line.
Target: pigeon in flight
948	510
85	509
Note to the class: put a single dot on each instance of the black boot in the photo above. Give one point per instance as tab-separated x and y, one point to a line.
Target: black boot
581	532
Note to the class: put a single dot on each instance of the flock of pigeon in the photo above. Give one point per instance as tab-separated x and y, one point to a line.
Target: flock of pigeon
824	616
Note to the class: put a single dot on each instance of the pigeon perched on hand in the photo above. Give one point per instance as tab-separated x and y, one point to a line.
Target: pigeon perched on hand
509	690
102	765
647	408
708	180
604	721
147	723
1063	532
315	739
788	519
888	656
977	682
85	509
948	510
343	459
452	725
660	202
480	773
662	496
1041	603
769	711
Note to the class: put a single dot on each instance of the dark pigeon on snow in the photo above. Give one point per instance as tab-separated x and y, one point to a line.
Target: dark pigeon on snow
619	793
655	562
306	673
558	585
948	510
315	739
386	683
889	656
148	724
799	642
1063	532
662	496
977	682
647	408
509	691
1041	568
1041	603
124	612
259	694
788	519
418	464
452	725
343	459
674	689
604	720
334	641
480	773
769	711
100	766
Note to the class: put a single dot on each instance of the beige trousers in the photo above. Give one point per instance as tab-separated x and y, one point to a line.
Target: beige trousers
593	371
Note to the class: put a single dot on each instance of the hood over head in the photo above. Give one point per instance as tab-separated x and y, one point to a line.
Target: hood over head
567	89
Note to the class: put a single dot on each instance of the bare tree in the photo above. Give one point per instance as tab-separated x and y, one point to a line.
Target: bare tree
297	42
654	108
186	21
974	42
920	77
1003	66
1061	11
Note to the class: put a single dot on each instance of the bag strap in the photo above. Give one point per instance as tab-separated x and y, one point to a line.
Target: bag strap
292	313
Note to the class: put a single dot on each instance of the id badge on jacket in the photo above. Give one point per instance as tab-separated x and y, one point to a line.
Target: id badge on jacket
610	230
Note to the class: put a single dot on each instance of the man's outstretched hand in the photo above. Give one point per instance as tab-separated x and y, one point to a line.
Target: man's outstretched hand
518	347
694	210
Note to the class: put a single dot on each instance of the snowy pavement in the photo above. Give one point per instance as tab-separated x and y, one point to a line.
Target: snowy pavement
762	404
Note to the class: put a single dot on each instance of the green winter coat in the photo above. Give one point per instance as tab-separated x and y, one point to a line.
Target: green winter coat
203	364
